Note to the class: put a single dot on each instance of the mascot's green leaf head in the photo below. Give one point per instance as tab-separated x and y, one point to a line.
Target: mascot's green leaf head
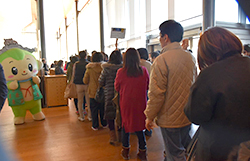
19	64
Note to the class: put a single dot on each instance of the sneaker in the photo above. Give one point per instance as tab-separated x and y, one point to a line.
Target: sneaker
89	118
81	119
77	112
85	113
95	129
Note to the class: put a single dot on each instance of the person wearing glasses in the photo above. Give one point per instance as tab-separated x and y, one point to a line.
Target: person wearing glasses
172	74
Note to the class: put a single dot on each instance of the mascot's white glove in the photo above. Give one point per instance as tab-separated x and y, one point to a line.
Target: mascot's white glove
13	85
36	79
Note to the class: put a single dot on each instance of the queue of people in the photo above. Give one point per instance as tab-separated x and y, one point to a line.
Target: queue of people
166	90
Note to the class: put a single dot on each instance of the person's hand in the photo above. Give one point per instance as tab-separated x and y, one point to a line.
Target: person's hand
185	44
36	79
13	85
116	44
149	124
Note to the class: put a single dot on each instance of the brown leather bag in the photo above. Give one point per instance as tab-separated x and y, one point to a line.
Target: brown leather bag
70	90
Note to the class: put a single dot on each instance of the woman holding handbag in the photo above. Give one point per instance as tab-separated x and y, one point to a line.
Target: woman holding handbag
219	99
107	80
73	59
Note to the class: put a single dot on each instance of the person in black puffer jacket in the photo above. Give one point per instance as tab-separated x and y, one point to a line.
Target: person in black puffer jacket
107	79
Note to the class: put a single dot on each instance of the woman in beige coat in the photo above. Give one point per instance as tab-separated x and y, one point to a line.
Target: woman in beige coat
91	77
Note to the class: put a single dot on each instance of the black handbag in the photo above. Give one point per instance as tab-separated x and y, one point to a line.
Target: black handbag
191	149
99	96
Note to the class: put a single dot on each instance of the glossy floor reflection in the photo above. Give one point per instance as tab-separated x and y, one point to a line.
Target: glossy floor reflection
61	137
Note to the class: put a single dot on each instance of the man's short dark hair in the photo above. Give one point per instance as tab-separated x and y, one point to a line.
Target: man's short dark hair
155	54
82	54
143	53
97	57
74	59
173	29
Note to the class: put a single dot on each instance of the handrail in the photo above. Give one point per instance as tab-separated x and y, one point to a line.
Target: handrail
191	18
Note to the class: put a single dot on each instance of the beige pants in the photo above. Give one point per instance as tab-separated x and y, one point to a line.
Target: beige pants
82	90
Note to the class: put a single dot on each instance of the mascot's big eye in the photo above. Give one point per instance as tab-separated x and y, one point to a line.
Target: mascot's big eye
30	67
14	70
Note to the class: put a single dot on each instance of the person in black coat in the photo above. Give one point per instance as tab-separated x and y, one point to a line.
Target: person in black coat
3	88
107	79
219	99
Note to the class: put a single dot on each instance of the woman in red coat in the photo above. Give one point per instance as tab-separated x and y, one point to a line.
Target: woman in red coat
132	84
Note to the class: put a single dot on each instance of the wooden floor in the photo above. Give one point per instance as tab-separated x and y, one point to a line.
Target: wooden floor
61	137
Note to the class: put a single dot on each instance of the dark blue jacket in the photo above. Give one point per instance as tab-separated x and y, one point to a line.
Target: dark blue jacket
3	88
80	68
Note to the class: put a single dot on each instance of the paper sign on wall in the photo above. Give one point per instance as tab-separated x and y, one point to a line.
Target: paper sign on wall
118	33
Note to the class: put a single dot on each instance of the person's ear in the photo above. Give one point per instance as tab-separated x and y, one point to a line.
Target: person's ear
165	37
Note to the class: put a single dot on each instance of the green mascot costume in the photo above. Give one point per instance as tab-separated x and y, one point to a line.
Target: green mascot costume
20	70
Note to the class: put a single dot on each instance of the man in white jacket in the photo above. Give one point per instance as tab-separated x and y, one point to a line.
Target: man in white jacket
172	74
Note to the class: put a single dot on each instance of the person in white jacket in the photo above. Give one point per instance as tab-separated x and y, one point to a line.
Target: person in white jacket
172	74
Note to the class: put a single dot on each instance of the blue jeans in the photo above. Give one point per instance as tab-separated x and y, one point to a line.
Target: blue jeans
140	136
97	108
176	140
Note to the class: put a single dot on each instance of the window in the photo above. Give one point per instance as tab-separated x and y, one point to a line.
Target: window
188	12
159	13
226	10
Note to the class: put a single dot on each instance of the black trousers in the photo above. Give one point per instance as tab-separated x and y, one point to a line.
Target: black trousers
96	110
